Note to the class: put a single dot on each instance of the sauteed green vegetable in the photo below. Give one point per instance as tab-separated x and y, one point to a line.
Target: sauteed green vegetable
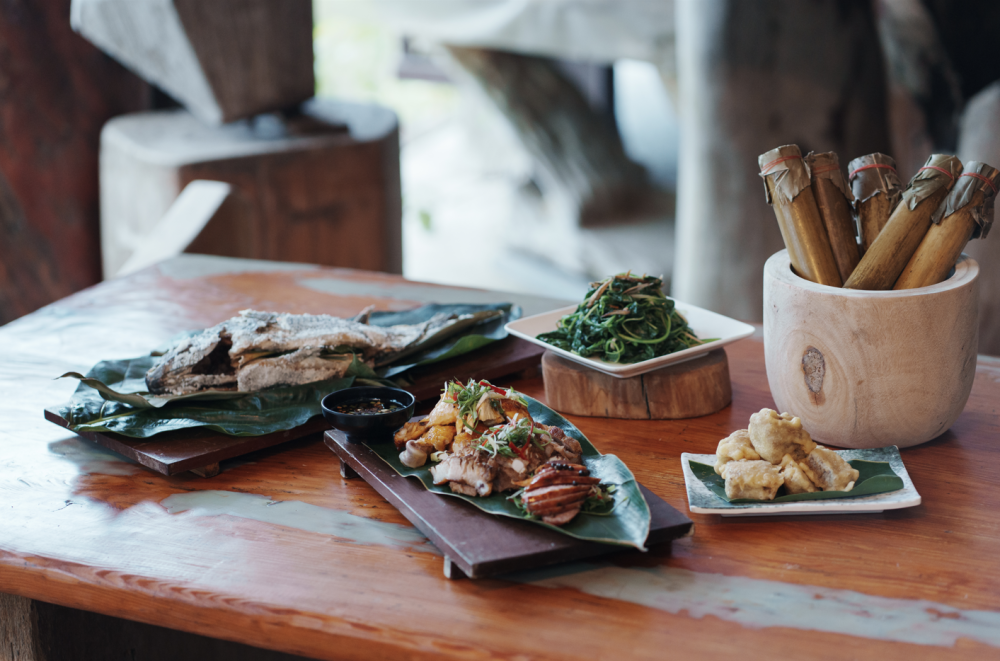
624	319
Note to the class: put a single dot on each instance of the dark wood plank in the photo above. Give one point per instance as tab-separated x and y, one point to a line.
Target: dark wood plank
188	449
480	544
504	358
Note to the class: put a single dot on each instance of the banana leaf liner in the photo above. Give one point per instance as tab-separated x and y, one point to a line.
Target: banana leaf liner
112	396
625	523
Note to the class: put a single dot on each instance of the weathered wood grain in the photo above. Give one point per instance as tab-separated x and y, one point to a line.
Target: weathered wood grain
870	369
269	565
56	91
319	187
18	637
691	389
224	60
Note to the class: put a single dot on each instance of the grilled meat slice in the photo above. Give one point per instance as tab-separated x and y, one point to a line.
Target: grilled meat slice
563	447
554	496
557	492
474	472
570	477
562	518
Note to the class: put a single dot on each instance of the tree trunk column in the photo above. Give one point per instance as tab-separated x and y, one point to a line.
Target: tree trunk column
17	631
753	76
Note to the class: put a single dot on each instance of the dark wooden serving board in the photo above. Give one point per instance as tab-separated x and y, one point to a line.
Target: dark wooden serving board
201	450
477	544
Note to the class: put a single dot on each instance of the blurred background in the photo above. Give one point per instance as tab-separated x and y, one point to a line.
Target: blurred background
521	145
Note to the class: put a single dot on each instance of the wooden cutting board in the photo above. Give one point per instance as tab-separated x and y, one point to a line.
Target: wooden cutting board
477	544
200	450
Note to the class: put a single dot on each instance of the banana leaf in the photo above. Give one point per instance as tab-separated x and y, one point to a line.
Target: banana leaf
461	343
112	396
626	524
874	477
246	414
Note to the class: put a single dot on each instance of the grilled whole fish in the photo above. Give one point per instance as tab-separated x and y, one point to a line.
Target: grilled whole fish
256	350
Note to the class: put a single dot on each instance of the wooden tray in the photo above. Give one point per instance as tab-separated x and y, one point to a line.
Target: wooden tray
476	544
200	450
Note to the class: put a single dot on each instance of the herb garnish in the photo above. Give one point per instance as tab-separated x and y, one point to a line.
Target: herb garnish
512	439
467	398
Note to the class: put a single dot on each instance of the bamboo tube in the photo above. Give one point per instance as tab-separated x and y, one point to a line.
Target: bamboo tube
895	244
834	198
788	191
968	214
877	190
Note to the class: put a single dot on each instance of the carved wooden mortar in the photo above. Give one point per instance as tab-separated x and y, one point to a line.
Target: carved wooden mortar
866	369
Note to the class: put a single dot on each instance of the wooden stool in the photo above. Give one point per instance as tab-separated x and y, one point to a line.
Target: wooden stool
321	186
686	390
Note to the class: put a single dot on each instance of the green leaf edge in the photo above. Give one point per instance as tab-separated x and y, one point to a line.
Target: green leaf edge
541	413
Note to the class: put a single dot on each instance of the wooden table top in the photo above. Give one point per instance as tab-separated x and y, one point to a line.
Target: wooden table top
280	552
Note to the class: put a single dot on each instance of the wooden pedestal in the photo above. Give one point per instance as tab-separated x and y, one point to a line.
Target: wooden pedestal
687	390
321	187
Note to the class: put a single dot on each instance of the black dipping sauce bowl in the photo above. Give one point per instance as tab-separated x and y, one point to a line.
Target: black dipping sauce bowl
373	427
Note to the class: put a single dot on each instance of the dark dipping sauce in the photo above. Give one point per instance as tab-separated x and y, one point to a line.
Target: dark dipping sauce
370	406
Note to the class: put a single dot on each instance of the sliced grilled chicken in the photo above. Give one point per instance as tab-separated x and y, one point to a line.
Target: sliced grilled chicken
557	492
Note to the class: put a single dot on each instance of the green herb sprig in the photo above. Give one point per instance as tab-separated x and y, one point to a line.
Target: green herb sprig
467	399
624	319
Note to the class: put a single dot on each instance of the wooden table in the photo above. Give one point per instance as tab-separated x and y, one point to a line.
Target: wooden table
279	552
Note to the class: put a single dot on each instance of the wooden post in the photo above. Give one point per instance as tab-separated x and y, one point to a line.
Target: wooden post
224	59
18	639
979	140
753	75
56	91
577	148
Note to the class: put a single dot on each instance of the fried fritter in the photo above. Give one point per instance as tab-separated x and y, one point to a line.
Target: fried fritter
757	480
796	479
829	471
773	436
735	447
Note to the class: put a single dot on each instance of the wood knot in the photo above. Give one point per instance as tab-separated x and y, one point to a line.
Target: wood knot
814	369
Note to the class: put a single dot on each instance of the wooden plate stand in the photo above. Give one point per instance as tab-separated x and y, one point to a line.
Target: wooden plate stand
686	390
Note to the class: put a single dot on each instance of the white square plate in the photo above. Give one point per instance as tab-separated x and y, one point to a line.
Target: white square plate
704	323
701	500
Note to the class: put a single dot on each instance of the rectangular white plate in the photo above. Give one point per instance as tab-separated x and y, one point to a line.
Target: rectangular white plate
701	500
704	323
